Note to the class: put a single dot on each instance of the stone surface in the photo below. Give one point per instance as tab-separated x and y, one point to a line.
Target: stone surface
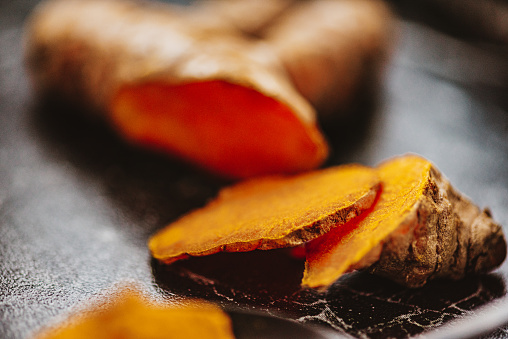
77	204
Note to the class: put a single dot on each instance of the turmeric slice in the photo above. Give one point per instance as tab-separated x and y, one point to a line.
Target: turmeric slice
192	89
420	229
131	317
331	47
268	213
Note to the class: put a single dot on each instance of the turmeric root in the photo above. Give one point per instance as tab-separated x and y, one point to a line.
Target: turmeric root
131	317
249	17
420	229
269	213
195	91
330	47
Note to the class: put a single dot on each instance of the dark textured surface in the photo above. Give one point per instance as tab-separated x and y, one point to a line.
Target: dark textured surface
77	204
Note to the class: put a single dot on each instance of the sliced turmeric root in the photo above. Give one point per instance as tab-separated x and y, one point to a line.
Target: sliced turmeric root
195	91
420	229
269	213
130	316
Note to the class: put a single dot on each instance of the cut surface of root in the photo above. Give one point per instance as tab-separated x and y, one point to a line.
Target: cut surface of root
329	47
269	213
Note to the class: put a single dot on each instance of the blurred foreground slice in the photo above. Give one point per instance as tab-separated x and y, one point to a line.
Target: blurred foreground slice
270	213
420	229
176	82
130	316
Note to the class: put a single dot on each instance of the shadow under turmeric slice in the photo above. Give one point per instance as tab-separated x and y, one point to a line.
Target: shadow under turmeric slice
229	129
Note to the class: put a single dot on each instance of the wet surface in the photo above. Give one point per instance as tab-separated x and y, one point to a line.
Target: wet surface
77	204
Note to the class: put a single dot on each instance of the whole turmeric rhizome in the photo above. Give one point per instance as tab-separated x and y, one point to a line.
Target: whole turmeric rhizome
402	220
192	82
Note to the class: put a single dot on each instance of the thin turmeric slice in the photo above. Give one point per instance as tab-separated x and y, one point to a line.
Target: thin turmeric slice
131	317
420	229
269	213
192	89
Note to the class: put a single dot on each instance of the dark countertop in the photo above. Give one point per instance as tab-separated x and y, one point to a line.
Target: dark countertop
77	204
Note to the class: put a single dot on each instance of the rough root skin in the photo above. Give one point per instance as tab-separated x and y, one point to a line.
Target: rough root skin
444	236
329	56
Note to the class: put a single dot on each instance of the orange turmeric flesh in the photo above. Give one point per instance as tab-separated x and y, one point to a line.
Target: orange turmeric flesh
270	212
132	317
226	128
419	229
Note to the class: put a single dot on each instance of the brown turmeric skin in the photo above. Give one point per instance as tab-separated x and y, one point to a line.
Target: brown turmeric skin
269	213
130	316
420	229
249	17
191	88
331	48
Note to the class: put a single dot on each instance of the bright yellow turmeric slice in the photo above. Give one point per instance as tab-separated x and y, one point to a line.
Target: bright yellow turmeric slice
271	212
132	317
420	229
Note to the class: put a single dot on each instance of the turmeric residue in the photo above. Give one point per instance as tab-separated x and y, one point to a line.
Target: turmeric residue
270	213
418	230
131	317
